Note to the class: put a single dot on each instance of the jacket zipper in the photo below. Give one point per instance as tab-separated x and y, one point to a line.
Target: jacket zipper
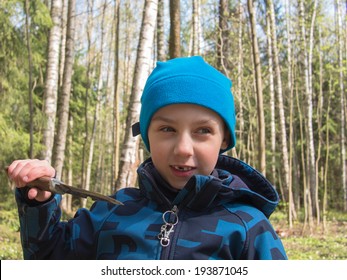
170	219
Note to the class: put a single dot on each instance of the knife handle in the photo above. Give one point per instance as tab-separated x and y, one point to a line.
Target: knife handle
42	183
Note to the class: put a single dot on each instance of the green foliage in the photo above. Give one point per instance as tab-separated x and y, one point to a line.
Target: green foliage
10	248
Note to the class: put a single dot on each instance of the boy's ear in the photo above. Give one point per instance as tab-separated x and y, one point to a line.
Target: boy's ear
226	140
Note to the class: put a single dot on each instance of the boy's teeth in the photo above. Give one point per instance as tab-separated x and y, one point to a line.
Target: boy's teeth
182	168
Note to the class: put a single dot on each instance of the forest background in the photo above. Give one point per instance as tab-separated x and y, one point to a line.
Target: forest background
72	73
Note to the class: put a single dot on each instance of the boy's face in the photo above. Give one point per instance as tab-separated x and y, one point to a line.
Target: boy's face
185	140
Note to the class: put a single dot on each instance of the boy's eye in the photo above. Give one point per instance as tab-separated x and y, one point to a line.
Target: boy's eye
204	130
166	129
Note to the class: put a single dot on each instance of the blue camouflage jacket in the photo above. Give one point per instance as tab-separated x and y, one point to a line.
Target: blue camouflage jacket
221	216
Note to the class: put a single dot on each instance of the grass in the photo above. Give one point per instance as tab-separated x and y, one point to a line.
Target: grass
315	243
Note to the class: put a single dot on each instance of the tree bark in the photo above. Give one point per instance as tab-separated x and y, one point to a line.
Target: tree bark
116	113
223	35
160	32
175	29
97	106
64	98
127	172
51	84
30	81
195	28
342	102
259	89
282	120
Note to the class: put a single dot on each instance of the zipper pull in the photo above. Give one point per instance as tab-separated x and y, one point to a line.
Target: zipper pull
170	219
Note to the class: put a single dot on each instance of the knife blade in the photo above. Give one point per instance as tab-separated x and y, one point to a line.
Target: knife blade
56	186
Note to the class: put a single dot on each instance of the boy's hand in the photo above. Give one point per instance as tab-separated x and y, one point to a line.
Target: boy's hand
23	171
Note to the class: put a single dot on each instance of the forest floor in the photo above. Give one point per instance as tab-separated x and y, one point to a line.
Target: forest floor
315	243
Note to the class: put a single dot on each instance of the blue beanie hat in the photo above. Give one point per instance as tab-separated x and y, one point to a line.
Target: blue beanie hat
187	80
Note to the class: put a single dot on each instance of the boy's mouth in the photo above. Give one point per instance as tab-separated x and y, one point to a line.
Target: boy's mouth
182	168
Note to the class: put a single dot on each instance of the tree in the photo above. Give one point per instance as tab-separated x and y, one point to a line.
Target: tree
342	102
51	83
130	144
223	36
64	97
283	129
195	28
97	109
160	32
116	113
259	89
175	29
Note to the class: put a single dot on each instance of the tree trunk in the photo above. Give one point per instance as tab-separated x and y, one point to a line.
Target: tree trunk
291	214
195	28
30	81
308	92
97	106
282	120
90	23
64	98
223	35
342	102
160	32
116	114
127	173
63	26
238	89
51	84
175	29
259	89
272	99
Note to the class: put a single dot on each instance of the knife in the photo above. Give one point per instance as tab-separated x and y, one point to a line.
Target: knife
54	185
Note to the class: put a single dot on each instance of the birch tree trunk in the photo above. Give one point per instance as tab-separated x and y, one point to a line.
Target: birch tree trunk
97	106
30	81
195	27
51	84
63	27
259	89
308	92
175	29
319	113
272	99
64	98
90	5
116	113
282	120
160	32
326	165
291	214
223	35
127	175
342	101
238	89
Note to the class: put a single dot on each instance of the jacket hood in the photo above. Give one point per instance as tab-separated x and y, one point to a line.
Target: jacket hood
232	181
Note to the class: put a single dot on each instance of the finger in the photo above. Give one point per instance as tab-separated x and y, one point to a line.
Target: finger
23	171
14	170
38	195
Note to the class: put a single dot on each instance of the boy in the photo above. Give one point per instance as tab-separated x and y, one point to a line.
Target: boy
192	202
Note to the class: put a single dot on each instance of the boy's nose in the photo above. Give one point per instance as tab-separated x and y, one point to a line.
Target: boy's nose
184	145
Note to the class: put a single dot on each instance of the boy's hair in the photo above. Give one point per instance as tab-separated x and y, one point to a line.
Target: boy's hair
187	80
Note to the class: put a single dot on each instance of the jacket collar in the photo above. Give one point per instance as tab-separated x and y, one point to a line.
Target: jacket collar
231	181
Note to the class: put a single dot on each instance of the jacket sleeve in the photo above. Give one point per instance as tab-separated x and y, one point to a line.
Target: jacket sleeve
262	242
45	236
